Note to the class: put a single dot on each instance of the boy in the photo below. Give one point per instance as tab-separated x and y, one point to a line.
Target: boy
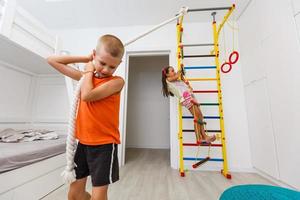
97	122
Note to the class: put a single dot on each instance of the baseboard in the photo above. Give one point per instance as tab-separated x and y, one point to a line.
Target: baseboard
242	170
215	168
274	180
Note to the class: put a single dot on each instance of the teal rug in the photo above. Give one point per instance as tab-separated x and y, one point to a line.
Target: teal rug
259	192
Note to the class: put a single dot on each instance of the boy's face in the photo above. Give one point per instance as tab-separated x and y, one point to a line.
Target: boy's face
105	64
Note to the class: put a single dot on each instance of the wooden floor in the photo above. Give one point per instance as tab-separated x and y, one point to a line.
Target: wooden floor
147	175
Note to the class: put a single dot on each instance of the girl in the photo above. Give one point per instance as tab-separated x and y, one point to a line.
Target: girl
172	85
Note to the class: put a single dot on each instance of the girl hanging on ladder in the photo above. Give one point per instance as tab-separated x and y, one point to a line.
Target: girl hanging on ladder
173	84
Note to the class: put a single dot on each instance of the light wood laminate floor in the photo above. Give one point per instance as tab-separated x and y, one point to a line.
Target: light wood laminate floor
147	175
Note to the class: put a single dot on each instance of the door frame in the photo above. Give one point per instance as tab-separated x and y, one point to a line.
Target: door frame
123	128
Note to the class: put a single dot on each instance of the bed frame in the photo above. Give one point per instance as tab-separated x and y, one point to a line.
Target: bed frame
20	31
21	27
33	181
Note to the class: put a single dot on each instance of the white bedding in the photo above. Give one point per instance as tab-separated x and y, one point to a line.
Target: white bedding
15	155
10	135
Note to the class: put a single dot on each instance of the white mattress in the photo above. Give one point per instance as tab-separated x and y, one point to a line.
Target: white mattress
15	155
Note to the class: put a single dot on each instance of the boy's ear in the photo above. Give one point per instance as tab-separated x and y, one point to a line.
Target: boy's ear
94	53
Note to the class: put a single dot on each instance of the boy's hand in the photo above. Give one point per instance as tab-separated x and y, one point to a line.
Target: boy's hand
89	67
90	57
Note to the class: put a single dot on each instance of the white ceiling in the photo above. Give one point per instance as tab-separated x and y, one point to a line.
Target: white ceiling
73	14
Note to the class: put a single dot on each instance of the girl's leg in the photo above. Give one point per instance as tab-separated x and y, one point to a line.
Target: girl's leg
197	132
199	116
197	126
77	190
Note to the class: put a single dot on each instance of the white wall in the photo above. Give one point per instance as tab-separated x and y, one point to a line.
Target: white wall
270	66
296	9
81	42
28	100
16	95
148	121
51	100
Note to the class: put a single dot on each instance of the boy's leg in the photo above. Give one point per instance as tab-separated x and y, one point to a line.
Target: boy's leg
77	190
104	168
99	193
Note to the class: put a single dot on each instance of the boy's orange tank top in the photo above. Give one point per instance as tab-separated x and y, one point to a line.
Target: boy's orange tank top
98	121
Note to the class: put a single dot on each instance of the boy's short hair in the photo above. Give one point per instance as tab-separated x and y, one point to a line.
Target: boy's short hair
112	45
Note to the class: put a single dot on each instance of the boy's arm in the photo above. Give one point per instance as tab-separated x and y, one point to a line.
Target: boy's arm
60	63
89	93
105	90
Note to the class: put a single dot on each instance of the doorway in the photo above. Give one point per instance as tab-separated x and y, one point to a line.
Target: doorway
147	121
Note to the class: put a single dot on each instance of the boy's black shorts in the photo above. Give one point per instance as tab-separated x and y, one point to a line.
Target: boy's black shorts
99	161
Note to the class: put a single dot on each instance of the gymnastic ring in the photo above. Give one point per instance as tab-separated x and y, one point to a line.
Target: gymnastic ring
229	68
236	57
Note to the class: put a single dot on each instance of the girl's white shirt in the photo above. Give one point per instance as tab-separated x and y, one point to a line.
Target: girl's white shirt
178	88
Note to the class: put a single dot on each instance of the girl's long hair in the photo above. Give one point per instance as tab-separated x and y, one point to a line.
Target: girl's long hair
164	73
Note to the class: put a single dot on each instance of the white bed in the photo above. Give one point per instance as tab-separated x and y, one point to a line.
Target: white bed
26	38
30	170
33	181
19	154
